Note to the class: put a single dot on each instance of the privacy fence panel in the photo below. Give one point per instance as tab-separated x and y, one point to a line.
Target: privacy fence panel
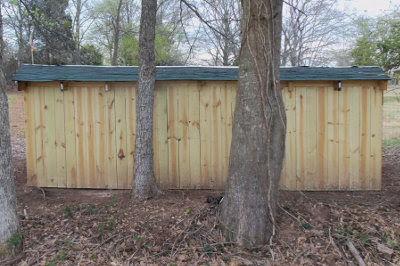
84	135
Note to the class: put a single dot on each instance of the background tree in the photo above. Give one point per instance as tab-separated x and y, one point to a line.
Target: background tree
52	31
309	29
144	184
81	21
223	45
9	223
378	42
258	133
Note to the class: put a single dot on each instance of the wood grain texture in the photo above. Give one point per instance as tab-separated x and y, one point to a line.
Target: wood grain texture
30	136
161	137
60	138
70	137
121	99
130	127
83	137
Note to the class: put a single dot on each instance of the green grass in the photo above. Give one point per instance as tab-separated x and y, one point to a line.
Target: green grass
12	98
393	142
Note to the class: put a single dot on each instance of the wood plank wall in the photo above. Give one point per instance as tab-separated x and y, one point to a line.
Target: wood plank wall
84	136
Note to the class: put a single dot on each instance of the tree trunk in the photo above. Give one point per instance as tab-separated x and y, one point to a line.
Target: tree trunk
145	186
9	223
258	133
117	29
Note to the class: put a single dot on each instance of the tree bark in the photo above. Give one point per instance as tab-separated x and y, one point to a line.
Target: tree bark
117	31
9	223
258	134
144	185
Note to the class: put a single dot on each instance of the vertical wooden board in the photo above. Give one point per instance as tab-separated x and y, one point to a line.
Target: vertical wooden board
194	135
376	138
39	134
365	141
344	138
80	141
205	135
99	116
162	136
284	181
173	137
183	128
120	130
60	138
92	148
30	136
131	126
355	136
332	181
301	103
216	138
110	166
322	137
156	157
70	145
50	137
225	124
291	146
310	167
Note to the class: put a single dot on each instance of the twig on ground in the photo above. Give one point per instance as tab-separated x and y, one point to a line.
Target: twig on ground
355	253
332	242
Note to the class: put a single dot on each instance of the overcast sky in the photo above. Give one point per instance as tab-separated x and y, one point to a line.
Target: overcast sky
368	7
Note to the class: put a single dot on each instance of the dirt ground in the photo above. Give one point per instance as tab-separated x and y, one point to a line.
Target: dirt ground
102	227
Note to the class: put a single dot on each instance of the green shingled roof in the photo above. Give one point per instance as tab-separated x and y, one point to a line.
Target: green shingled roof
40	73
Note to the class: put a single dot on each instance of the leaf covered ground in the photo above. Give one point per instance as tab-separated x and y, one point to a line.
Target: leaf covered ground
103	227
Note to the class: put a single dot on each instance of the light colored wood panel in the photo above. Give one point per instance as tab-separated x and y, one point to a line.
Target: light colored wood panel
332	179
121	130
110	166
39	134
156	156
183	128
288	179
92	149
226	126
70	137
344	137
49	122
355	136
376	138
131	126
322	137
162	136
173	137
80	141
301	103
365	142
216	138
30	136
194	135
205	136
99	107
60	138
310	168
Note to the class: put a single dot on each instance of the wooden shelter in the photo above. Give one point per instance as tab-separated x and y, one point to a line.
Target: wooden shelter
80	126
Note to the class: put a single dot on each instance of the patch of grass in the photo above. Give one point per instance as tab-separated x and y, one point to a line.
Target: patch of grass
16	239
89	209
391	142
12	98
68	211
111	223
390	99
